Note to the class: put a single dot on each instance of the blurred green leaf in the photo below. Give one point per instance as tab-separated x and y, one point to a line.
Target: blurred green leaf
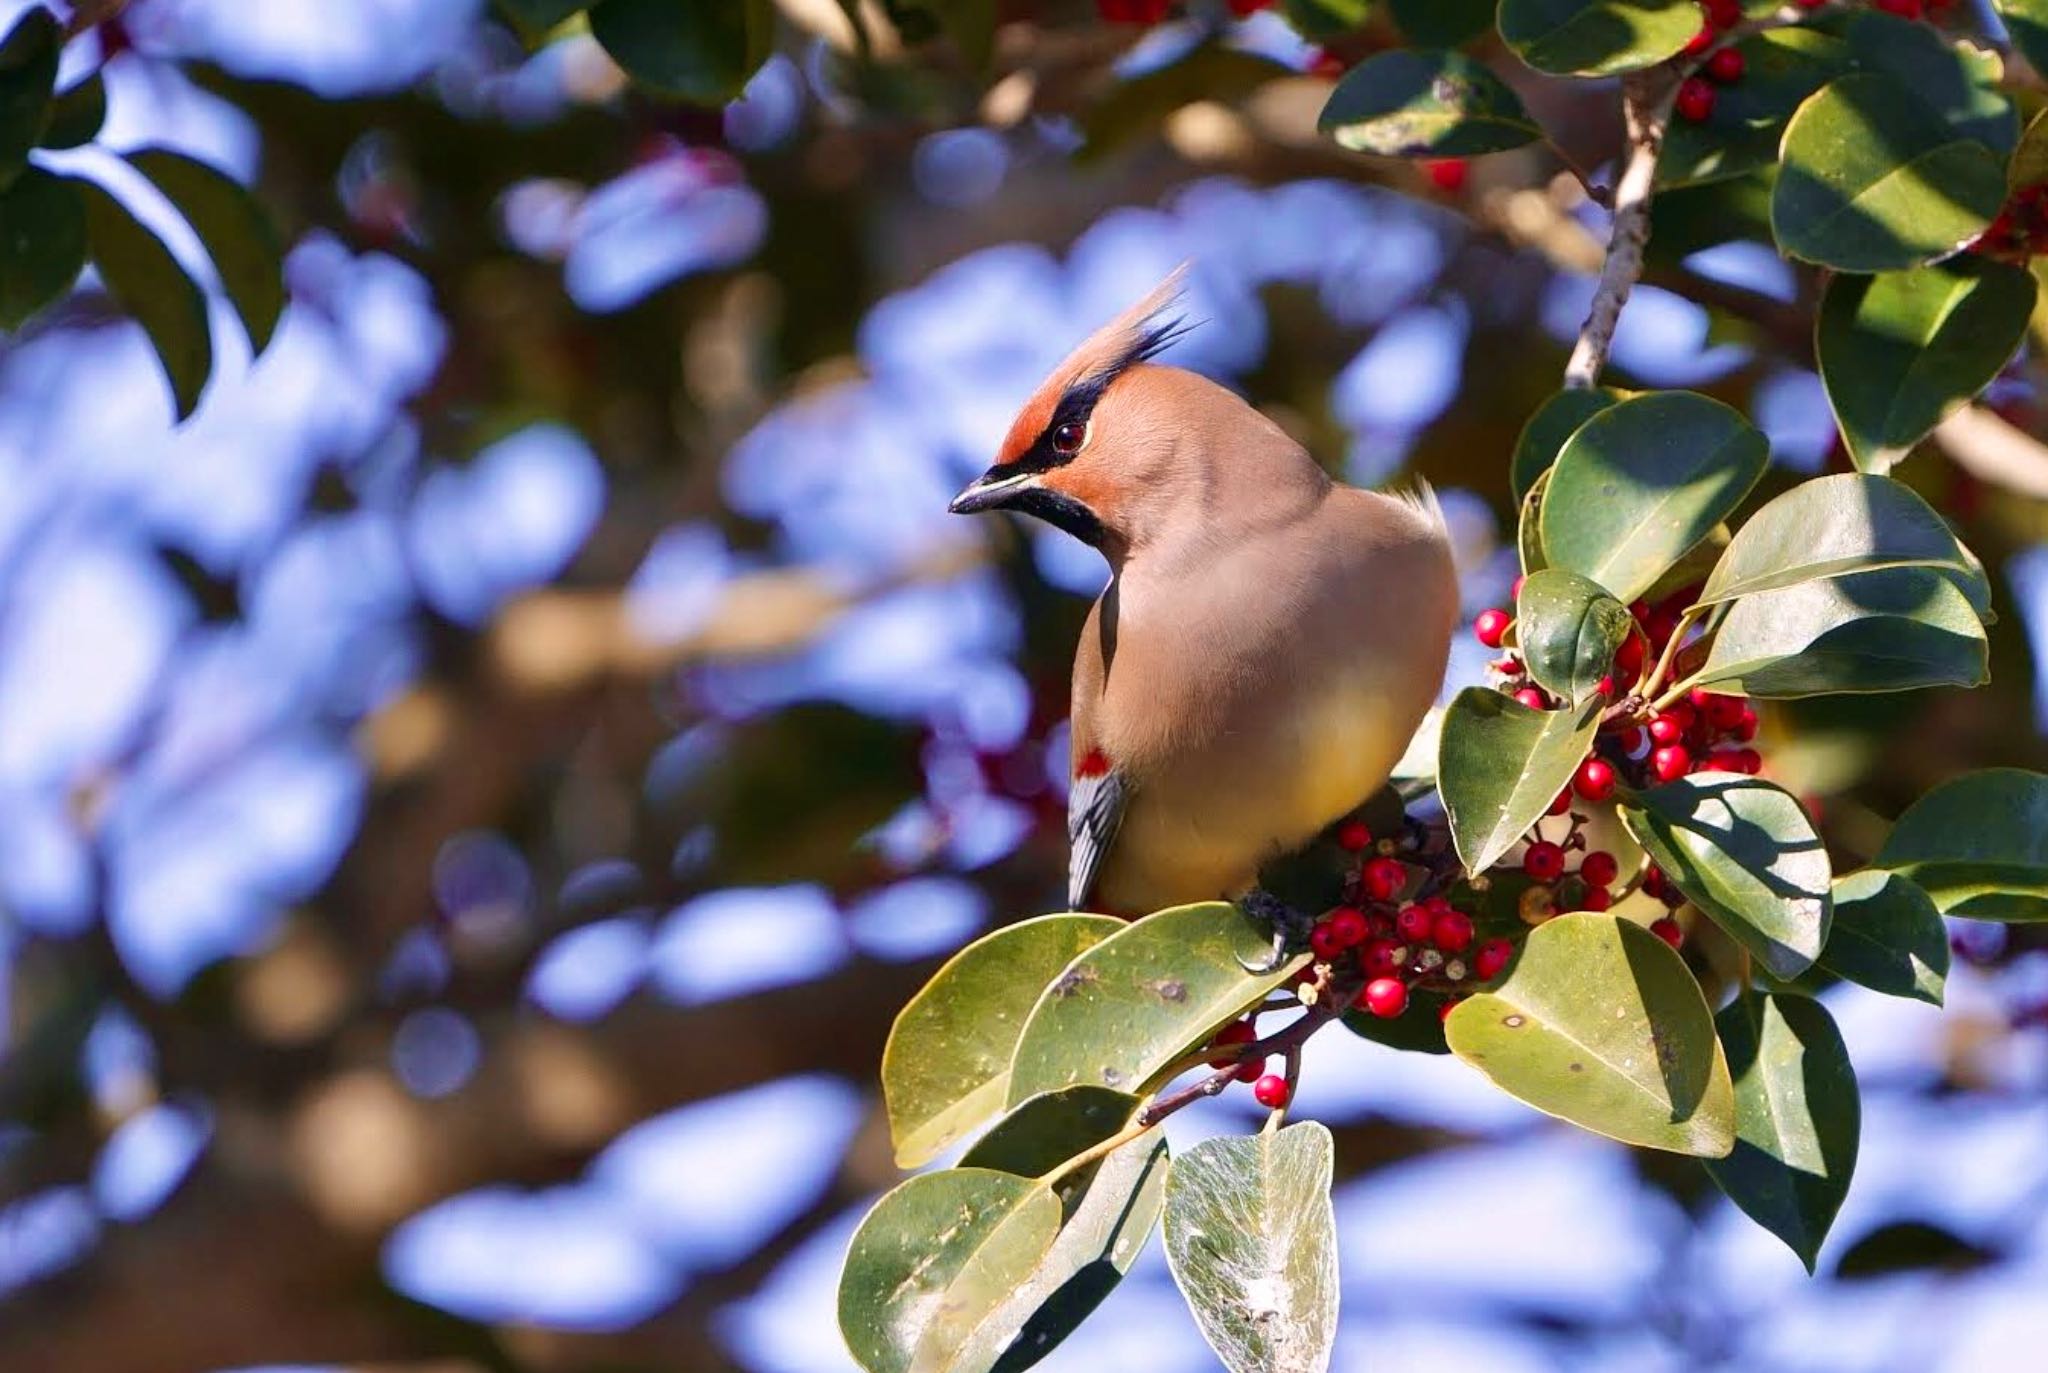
1872	180
1442	23
536	17
148	282
1780	69
1126	1008
42	243
76	115
704	54
1529	526
1251	1238
1569	630
1596	37
1743	851
1978	845
1888	936
28	74
1599	1023
1640	483
1409	102
1325	18
1546	431
1958	81
1909	1246
935	1259
1797	1117
1136	108
1828	527
1895	629
1898	351
1500	764
947	1065
236	232
2027	22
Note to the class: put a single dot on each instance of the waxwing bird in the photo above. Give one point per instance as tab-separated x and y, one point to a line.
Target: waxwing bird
1269	638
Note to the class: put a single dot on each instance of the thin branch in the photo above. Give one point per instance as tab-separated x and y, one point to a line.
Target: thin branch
1646	101
1994	450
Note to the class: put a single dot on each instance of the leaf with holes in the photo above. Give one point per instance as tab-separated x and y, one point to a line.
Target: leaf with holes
1599	1023
1888	936
1831	527
1499	766
1569	630
1978	845
1411	102
1894	629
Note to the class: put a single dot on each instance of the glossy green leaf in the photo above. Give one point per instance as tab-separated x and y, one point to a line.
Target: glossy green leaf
1529	525
1554	421
1781	68
947	1065
1419	1030
1797	1117
1957	81
1899	350
1126	1008
1743	851
28	74
148	282
1051	1128
42	243
1596	37
935	1260
1413	102
1978	845
1896	629
235	230
1888	936
1640	483
2027	22
1829	527
1325	18
1500	764
704	54
1569	630
1441	23
1599	1023
1872	180
1251	1238
76	115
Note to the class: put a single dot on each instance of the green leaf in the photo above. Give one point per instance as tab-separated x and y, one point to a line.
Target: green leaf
1743	851
1978	845
1554	421
28	73
704	54
935	1259
1599	1023
1325	18
1051	1128
1126	1008
1136	108
1596	37
1643	481
1797	1116
1888	936
1895	629
1529	525
2029	164
1442	23
1910	1246
1828	527
1781	68
1500	764
2027	22
947	1065
1872	180
1956	80
1418	1030
536	17
1569	630
148	282
1410	102
1251	1238
1900	350
42	244
236	232
77	115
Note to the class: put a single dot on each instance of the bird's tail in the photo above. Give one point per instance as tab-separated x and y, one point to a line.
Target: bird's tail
1422	500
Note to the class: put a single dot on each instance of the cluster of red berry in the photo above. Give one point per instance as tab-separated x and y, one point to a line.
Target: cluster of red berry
1696	94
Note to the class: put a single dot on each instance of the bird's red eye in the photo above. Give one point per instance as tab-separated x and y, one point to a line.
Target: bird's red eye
1067	438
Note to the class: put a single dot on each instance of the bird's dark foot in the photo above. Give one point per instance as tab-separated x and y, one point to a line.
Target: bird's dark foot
1290	929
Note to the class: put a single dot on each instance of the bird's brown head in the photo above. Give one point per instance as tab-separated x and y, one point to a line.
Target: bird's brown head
1073	456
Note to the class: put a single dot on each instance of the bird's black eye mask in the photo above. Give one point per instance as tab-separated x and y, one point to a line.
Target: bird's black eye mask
1065	433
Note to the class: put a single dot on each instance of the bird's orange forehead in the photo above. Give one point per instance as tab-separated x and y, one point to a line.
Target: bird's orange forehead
1032	420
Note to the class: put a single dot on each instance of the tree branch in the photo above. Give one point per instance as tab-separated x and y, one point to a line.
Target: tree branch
1646	100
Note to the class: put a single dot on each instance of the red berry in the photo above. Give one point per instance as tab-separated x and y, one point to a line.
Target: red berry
1347	924
1562	804
1515	589
1724	712
1493	956
1905	9
1451	931
1353	836
1380	958
1245	8
1670	763
1385	997
1666	729
1271	1091
1749	761
1666	929
1631	740
1446	1006
1448	174
1810	4
1695	99
1413	922
1725	66
1323	941
1700	41
1653	881
1382	878
1599	868
1133	11
1723	14
1532	698
1236	1032
1605	686
1628	658
1544	861
1745	728
1595	779
1596	899
1491	626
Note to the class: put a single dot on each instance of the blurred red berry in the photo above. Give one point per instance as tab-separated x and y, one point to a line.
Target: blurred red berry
1245	8
1695	99
1670	763
1491	626
1745	728
1385	997
1353	836
1666	929
1493	956
1723	14
1594	780
1628	659
1271	1091
1599	868
1700	41
1666	728
1515	588
1562	804
1749	761
1451	931
1448	174
1133	11
1725	66
1382	878
1905	9
1725	712
1347	926
1544	861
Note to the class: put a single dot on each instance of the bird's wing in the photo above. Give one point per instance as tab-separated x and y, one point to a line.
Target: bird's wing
1095	808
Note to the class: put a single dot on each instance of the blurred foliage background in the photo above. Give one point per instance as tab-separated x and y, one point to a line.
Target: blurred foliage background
473	797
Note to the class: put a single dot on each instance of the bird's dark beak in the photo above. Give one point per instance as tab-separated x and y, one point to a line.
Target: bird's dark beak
994	489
